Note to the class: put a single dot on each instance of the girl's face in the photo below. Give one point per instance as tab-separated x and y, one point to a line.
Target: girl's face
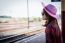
44	16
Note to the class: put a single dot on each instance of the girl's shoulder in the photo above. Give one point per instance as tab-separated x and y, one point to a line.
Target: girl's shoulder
53	24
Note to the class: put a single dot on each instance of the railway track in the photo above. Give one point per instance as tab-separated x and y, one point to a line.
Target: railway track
13	39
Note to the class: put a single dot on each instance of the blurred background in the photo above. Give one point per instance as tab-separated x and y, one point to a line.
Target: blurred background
19	17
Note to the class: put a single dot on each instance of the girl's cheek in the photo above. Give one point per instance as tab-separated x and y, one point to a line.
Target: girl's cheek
43	22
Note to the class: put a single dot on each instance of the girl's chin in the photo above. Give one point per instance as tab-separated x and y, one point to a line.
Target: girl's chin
44	22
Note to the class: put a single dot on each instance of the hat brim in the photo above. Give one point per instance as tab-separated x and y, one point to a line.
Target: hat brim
54	16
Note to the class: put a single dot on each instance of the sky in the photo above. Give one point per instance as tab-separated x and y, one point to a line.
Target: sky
18	8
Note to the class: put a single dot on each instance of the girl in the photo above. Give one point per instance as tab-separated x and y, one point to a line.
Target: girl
53	34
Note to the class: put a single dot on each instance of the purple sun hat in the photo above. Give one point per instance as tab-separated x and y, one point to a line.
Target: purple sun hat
51	10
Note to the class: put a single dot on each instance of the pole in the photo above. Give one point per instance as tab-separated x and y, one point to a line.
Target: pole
28	13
